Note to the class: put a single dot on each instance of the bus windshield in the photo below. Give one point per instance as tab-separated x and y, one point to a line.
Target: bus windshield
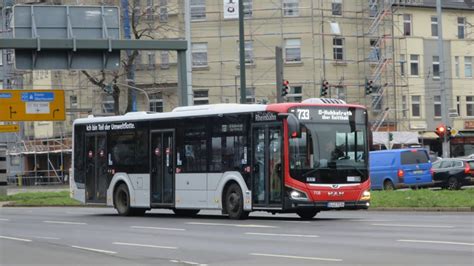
325	149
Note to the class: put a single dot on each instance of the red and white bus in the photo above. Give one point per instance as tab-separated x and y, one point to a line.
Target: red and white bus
281	158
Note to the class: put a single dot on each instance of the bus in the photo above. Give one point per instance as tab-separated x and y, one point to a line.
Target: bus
298	158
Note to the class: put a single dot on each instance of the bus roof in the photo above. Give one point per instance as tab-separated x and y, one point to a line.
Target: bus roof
206	110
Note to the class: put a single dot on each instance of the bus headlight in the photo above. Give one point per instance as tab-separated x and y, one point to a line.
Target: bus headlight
298	195
365	195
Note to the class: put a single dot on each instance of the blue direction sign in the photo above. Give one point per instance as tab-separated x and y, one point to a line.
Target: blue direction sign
5	95
37	96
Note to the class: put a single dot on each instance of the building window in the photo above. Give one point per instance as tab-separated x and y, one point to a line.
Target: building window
73	101
337	7
156	102
149	10
404	106
250	95
407	25
373	8
151	60
437	106
338	48
434	26
291	8
461	27
201	97
199	54
165	60
458	105
402	65
470	105
1	58
436	67
374	55
198	9
414	64
248	8
295	94
107	104
468	66
415	106
456	66
293	50
249	59
163	10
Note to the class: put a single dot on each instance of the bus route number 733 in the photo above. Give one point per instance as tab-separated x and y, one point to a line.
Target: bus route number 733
303	114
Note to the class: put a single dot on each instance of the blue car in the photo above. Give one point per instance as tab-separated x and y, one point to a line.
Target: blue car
401	168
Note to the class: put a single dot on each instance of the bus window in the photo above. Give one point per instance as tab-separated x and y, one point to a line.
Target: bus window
195	149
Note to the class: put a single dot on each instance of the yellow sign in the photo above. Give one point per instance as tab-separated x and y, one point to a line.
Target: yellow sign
32	105
9	128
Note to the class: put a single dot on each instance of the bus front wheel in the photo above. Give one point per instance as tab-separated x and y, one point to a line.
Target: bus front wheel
122	202
307	214
234	202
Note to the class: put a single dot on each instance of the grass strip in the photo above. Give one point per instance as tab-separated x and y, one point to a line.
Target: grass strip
422	198
61	198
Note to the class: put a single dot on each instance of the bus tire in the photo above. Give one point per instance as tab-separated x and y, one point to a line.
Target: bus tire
307	214
234	203
122	200
186	212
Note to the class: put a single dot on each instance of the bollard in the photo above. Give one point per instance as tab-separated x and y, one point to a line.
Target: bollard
3	170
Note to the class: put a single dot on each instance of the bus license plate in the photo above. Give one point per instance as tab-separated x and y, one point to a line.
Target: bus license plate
335	204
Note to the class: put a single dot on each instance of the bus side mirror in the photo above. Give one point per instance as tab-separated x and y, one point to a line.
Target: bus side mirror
294	129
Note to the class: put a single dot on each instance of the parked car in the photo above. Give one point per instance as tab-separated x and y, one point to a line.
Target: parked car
392	169
453	173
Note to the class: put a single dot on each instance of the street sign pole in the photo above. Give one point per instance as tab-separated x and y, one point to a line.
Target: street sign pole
243	86
442	80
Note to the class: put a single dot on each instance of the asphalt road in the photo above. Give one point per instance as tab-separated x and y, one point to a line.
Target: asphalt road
97	236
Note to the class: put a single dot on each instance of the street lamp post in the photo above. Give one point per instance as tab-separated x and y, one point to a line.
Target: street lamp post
140	90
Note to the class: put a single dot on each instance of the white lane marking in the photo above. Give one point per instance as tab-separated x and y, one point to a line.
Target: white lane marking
284	235
158	228
46	237
142	245
369	221
435	242
414	225
95	250
293	257
299	222
3	219
62	222
187	262
14	238
235	225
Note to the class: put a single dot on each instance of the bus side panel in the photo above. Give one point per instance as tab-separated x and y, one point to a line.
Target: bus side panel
76	193
138	187
237	177
77	172
191	191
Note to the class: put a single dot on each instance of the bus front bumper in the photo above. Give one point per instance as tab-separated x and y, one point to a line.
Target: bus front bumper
327	205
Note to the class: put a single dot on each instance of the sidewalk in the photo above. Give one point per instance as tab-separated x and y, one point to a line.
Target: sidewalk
12	190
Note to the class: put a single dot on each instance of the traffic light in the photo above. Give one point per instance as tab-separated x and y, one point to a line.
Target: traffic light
369	86
390	136
440	131
449	133
286	88
324	88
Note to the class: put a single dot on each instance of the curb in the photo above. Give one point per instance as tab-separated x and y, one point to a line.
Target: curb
424	209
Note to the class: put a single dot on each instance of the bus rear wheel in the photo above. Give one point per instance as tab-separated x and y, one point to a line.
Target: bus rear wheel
307	214
186	212
234	203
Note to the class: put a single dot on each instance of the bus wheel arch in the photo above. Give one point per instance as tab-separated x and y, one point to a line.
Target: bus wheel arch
233	201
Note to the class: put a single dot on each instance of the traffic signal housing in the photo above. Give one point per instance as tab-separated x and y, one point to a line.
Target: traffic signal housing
324	88
286	88
369	86
441	131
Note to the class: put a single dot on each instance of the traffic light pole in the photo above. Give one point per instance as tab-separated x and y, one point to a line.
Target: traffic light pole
243	87
444	102
279	73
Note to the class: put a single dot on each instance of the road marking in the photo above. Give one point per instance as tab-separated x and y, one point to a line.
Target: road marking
14	238
235	225
284	235
299	222
62	222
158	228
436	242
414	225
3	219
46	237
95	250
142	245
293	257
187	262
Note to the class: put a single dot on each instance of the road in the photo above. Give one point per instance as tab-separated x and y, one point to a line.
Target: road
97	236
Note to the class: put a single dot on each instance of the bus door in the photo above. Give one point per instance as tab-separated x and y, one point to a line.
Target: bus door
267	177
96	168
162	167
